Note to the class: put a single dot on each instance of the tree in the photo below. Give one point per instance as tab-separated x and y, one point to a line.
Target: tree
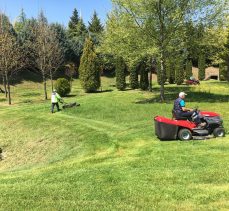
55	54
95	25
74	20
159	24
144	80
89	69
95	28
48	51
188	69
201	66
20	22
134	84
76	38
120	71
10	55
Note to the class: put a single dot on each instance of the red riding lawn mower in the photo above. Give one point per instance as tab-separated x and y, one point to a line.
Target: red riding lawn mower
185	129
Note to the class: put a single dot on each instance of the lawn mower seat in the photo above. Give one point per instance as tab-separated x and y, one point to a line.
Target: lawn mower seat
177	117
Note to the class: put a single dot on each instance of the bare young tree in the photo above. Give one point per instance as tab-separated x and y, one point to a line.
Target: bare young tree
10	59
55	54
49	55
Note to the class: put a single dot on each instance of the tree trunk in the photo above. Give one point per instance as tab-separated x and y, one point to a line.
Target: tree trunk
51	79
45	85
162	76
8	88
4	84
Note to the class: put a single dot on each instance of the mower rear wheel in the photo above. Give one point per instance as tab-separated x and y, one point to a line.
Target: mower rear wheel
219	132
184	134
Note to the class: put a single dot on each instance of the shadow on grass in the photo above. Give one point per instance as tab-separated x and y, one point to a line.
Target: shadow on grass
102	91
171	93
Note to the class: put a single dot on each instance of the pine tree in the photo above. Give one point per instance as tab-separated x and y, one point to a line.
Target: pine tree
201	66
188	69
144	80
20	22
222	72
134	78
179	71
95	25
89	69
74	20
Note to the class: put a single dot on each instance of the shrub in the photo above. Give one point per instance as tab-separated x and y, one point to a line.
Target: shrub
179	72
89	68
62	87
120	68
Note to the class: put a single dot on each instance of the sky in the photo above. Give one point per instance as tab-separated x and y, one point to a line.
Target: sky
56	10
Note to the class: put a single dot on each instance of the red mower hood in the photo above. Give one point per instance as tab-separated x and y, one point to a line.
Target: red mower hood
209	114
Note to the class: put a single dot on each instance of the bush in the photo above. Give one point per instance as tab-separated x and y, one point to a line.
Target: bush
62	87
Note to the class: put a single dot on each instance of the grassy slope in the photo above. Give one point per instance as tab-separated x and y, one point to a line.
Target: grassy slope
104	155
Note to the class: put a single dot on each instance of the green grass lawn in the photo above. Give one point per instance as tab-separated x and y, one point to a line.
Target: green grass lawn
104	155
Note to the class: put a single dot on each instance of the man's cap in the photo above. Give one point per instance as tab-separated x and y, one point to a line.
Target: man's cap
182	94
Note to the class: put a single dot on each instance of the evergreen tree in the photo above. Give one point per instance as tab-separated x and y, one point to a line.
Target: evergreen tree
95	28
20	22
95	25
120	69
222	72
89	69
179	71
76	38
144	81
201	66
74	20
134	78
188	69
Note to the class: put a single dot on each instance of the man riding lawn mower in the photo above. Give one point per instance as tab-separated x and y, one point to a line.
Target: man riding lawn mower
188	123
55	99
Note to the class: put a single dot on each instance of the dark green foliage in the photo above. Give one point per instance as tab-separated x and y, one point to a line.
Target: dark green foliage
76	35
222	72
179	71
95	25
120	69
74	19
62	87
201	66
144	80
134	78
188	69
95	28
89	68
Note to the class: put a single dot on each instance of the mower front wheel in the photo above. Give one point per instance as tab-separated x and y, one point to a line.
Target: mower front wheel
219	132
184	134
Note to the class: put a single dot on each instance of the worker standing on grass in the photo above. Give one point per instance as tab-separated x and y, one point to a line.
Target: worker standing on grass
55	99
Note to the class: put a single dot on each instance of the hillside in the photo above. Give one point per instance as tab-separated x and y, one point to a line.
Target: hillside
104	155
